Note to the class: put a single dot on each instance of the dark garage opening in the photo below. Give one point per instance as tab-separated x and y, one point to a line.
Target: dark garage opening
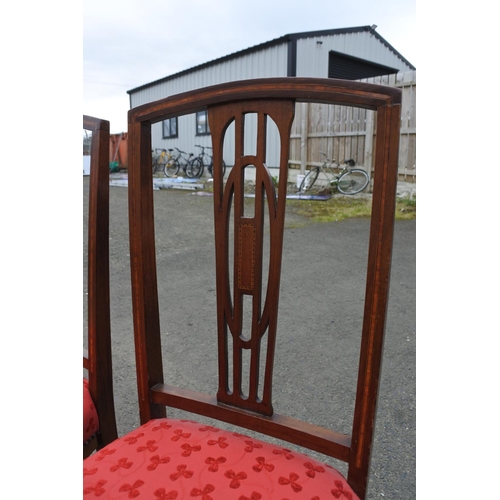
353	68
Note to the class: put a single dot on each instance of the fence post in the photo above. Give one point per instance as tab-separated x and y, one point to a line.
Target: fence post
304	130
368	159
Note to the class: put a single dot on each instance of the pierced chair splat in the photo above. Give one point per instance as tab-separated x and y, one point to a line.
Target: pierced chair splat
180	458
99	423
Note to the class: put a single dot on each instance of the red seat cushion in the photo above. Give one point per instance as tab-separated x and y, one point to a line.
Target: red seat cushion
175	459
90	418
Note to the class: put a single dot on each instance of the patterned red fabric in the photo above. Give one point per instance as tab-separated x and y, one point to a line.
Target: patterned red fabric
175	459
90	418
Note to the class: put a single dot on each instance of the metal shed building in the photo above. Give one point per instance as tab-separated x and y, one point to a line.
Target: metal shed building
348	53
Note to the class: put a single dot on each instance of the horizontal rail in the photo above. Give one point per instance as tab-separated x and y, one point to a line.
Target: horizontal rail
320	135
288	429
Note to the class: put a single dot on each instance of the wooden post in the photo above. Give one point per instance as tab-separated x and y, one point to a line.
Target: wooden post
145	306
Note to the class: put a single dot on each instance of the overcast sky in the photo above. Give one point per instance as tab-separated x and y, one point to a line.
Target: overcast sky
130	43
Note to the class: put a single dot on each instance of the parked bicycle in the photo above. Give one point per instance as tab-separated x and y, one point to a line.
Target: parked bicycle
160	158
348	180
180	160
197	165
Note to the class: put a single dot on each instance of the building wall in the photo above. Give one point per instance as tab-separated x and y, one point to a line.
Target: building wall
268	62
312	60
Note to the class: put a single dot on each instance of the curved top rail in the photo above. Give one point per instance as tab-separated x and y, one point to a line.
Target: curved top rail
324	90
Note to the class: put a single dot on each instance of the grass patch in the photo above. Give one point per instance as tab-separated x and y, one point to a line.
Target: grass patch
332	210
338	207
342	207
406	208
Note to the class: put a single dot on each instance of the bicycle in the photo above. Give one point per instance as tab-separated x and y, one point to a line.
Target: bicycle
348	181
160	159
197	164
177	162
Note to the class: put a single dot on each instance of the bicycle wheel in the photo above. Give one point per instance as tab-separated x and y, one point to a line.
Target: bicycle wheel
195	168
171	168
211	169
309	180
353	181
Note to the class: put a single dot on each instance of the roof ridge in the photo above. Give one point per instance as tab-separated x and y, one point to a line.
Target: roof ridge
275	41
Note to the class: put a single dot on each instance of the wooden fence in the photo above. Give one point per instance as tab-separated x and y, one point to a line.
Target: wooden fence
344	132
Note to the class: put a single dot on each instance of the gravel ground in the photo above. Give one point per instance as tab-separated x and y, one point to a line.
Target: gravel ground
323	272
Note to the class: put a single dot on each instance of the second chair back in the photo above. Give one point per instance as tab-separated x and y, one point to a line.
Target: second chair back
97	358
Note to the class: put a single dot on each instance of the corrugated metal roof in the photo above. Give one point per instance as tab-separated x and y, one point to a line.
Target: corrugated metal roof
276	41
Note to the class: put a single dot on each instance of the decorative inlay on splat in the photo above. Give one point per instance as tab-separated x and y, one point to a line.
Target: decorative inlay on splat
246	256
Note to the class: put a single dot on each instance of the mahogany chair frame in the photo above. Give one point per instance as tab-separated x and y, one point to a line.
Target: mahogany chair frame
97	358
274	97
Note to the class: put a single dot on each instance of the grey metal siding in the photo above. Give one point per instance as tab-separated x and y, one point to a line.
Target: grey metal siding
264	63
312	57
268	62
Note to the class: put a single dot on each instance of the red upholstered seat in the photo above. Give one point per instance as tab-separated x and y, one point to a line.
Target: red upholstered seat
90	417
174	459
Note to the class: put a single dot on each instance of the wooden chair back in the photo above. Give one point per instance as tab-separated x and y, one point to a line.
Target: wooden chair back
97	358
229	103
